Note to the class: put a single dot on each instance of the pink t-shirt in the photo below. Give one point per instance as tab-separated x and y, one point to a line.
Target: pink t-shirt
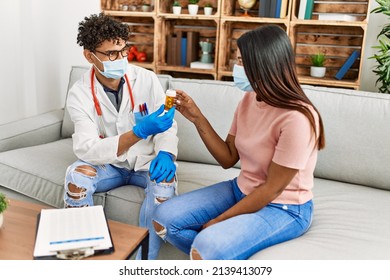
263	134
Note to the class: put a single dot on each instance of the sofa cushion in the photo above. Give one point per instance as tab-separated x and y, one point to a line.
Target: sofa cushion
38	171
31	131
67	124
164	80
218	99
351	124
344	226
192	175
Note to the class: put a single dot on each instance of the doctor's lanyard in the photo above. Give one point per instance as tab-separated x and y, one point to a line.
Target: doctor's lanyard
97	103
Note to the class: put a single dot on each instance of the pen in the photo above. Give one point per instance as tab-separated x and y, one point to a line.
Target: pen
146	109
140	108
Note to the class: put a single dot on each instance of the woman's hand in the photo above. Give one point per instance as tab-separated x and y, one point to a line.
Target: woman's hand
187	107
223	151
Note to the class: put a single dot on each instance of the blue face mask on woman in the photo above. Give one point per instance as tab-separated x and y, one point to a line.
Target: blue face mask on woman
240	79
113	69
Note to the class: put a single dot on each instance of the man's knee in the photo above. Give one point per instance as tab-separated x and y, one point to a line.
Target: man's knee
164	191
86	170
76	192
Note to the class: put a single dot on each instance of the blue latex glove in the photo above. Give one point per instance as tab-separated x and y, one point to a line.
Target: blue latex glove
154	123
162	167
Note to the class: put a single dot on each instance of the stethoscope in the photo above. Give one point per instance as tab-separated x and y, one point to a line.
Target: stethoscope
97	103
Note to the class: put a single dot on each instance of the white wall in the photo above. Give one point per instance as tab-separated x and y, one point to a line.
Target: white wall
38	47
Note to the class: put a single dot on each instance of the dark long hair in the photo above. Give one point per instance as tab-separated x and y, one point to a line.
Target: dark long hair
269	64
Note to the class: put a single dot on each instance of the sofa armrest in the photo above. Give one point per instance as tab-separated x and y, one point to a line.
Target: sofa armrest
40	129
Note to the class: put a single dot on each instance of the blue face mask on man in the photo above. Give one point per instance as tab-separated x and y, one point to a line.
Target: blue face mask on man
240	79
113	69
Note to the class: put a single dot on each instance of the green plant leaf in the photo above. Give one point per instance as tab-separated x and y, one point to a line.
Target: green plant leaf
3	202
318	59
382	57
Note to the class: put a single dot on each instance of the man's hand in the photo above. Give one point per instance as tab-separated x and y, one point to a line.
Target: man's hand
154	123
162	167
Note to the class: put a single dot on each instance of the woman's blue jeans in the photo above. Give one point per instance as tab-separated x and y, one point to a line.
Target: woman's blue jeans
239	237
108	177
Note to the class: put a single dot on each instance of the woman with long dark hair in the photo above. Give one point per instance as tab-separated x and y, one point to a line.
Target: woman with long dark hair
276	134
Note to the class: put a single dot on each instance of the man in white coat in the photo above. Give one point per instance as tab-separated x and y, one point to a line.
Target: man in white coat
122	134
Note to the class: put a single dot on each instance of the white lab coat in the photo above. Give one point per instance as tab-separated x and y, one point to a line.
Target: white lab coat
86	142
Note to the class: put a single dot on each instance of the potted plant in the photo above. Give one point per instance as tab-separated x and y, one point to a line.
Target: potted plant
193	7
176	8
318	69
382	57
208	9
3	206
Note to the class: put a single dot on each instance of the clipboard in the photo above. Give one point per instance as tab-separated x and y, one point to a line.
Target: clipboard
72	233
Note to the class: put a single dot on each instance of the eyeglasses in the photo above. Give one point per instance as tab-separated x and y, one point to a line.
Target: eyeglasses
113	55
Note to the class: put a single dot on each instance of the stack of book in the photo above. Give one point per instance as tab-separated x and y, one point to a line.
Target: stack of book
337	17
182	48
305	9
273	8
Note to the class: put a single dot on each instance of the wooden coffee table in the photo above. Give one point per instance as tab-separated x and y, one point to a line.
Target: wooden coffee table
17	236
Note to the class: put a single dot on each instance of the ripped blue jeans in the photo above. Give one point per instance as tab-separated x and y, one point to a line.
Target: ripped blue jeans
89	179
238	238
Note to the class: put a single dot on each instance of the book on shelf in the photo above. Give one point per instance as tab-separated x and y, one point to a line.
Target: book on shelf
336	16
179	36
347	64
309	9
171	49
272	8
192	47
302	9
263	8
283	9
278	8
183	59
182	48
201	65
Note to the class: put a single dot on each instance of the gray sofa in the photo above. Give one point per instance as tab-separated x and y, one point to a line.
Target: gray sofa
352	176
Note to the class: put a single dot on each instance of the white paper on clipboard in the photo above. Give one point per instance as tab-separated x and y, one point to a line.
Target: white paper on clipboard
71	229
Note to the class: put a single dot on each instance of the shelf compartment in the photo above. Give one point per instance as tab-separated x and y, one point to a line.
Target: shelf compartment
231	8
165	8
208	31
356	8
230	32
337	42
142	36
126	7
187	72
329	82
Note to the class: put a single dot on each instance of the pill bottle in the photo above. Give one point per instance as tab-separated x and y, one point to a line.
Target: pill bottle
169	99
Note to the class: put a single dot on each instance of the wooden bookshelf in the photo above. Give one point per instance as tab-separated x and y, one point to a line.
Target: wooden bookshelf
337	39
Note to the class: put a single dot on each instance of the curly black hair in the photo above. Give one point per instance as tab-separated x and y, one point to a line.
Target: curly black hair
96	29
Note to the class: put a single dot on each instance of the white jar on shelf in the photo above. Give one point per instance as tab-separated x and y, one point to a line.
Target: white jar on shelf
176	9
193	9
208	11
